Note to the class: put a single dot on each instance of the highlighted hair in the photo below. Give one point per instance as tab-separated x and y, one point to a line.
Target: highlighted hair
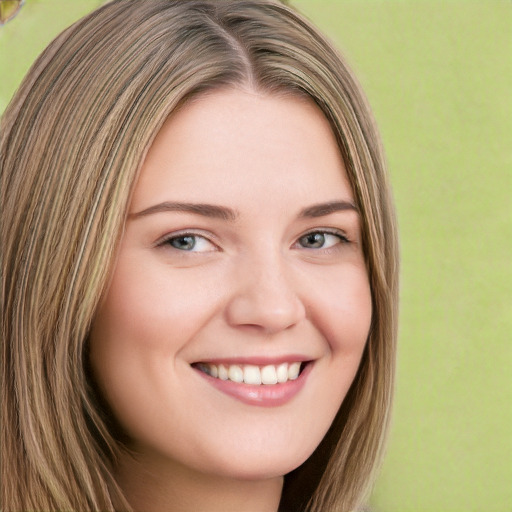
72	142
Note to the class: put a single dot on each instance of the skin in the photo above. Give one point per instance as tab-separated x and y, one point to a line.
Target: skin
252	285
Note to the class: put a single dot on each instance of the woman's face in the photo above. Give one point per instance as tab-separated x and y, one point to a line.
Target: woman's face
241	262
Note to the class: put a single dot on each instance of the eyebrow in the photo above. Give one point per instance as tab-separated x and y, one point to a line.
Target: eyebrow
225	213
321	209
206	210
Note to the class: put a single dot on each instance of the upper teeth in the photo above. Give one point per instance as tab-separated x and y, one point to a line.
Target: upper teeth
251	374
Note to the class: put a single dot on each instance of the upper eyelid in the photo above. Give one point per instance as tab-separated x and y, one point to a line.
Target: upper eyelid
186	232
213	239
330	231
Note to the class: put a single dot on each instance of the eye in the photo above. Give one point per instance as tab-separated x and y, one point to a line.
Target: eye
189	242
321	240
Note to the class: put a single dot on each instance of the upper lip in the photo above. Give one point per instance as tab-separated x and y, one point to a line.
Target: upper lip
256	360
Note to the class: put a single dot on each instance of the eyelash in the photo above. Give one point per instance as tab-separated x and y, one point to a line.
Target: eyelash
167	240
336	233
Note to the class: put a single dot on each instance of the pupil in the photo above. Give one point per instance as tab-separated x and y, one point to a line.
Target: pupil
185	243
315	240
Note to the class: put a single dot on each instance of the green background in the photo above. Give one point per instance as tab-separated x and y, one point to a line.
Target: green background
439	77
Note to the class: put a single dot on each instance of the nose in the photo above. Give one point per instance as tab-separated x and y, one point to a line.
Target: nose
264	297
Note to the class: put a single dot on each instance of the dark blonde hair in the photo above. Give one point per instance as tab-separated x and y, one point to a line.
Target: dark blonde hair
73	140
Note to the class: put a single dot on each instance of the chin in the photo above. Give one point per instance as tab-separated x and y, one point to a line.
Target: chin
263	464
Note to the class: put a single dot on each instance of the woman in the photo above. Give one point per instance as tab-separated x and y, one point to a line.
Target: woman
200	267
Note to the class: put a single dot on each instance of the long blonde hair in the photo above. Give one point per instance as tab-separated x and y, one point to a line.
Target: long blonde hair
73	140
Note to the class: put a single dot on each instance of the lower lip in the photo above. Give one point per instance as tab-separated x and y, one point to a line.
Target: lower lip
264	395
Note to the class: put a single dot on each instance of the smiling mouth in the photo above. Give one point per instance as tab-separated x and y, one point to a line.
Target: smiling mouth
252	374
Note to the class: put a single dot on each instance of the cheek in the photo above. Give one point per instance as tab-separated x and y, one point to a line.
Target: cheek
144	320
151	308
342	310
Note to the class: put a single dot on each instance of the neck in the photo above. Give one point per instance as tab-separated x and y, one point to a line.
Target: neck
154	488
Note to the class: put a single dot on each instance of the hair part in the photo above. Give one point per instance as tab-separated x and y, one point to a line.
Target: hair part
73	141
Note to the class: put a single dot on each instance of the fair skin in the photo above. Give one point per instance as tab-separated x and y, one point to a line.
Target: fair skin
268	278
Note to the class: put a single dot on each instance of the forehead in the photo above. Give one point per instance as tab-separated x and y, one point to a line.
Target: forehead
230	143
